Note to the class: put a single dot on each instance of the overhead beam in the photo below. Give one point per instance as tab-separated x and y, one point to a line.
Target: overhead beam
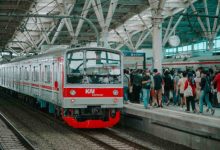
207	19
174	28
142	39
124	42
198	18
111	11
98	12
62	22
168	28
129	38
215	20
84	13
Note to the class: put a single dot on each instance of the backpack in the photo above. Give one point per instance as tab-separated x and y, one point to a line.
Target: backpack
188	91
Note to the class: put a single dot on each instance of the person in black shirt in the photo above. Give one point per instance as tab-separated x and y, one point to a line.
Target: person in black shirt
158	81
168	85
205	89
136	82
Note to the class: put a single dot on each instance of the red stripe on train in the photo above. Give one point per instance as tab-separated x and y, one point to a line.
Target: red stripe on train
48	87
93	92
193	63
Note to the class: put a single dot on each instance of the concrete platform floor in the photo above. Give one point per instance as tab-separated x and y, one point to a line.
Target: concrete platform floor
173	108
172	123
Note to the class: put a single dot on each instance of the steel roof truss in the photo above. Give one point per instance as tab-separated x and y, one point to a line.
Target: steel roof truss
198	18
214	28
60	26
207	19
143	36
84	13
174	28
129	37
124	41
168	29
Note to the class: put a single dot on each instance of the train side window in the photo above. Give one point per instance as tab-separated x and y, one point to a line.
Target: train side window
35	74
47	74
26	74
55	70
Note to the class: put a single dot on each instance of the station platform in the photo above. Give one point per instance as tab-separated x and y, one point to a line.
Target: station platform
172	123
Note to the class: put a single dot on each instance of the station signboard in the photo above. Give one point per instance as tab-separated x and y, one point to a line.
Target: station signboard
134	60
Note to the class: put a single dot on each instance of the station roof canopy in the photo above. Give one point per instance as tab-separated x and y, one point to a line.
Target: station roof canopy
26	25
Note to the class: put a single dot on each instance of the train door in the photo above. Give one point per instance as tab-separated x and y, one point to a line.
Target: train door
55	82
13	77
41	74
19	80
52	81
60	78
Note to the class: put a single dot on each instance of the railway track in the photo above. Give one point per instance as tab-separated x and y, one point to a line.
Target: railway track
74	138
10	142
111	140
103	138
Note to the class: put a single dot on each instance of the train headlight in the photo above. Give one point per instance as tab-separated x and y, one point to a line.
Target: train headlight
115	92
72	92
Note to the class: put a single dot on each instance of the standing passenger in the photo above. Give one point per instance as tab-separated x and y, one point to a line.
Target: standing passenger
146	85
181	84
216	82
198	81
167	86
190	83
137	78
205	89
176	91
158	81
126	84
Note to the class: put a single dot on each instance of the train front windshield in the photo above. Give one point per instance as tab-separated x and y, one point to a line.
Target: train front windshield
93	67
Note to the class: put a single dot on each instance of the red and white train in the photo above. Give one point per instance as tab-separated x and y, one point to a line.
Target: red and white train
82	85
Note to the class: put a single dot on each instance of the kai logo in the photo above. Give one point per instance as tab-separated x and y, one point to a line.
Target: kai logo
90	91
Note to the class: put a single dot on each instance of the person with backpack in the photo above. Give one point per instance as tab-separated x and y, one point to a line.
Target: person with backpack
190	92
204	94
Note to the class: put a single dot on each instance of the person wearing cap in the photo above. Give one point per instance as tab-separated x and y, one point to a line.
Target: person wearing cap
204	94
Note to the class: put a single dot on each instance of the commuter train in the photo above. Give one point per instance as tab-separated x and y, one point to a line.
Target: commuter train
81	85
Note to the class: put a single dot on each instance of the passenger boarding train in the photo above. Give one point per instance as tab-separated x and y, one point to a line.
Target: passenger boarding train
82	85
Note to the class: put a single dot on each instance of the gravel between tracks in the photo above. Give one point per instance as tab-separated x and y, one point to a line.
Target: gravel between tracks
45	133
42	132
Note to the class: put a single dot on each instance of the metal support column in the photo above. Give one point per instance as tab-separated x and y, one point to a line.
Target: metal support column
105	37
157	43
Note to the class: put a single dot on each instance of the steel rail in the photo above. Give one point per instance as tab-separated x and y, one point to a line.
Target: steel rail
22	139
57	17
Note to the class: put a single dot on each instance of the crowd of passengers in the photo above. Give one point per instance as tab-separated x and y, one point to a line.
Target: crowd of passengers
181	88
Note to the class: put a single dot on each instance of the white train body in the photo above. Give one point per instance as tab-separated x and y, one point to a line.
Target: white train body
58	78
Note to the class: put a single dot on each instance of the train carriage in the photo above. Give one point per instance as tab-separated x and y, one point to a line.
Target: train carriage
82	85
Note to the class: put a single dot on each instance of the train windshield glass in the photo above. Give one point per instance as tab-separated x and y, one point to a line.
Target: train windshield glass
93	67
